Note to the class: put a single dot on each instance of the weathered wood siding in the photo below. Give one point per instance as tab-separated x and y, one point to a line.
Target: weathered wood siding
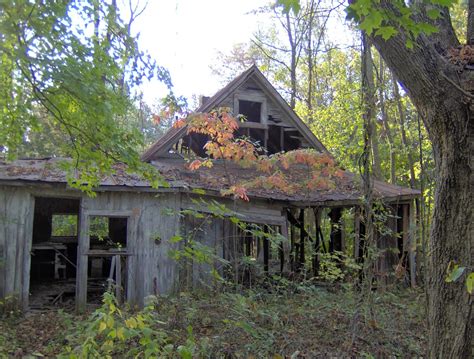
209	233
150	226
150	269
222	235
16	221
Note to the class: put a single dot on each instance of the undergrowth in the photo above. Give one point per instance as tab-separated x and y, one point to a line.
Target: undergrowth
306	321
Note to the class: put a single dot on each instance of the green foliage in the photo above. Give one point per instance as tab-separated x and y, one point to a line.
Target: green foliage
387	22
256	323
289	5
470	283
110	331
99	227
337	266
64	225
454	273
193	255
336	118
73	67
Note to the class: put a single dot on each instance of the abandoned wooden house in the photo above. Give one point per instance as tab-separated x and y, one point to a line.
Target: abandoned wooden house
57	240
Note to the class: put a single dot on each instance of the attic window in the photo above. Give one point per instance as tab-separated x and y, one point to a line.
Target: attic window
251	110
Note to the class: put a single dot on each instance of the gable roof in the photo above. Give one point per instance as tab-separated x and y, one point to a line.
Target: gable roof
164	143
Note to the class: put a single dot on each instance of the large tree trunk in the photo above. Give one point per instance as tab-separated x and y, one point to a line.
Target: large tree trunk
437	88
369	93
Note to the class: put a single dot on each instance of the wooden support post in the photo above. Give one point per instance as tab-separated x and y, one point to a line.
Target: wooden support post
266	252
282	139
293	245
335	243
118	278
343	234
412	245
317	244
28	233
265	138
82	261
301	261
285	249
110	280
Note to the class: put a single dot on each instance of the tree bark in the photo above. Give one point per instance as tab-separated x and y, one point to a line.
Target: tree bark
435	87
470	23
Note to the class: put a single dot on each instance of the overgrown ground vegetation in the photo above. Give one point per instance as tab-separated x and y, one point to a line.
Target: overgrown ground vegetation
282	320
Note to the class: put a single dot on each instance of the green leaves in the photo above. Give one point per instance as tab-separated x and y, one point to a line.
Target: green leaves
386	32
454	272
75	67
446	3
371	22
470	283
433	13
289	5
389	21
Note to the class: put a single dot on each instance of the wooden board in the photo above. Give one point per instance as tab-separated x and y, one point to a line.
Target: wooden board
15	243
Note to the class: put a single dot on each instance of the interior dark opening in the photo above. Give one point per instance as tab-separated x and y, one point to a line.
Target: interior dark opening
54	251
251	110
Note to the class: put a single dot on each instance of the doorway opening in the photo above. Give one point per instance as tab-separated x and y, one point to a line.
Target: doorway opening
54	252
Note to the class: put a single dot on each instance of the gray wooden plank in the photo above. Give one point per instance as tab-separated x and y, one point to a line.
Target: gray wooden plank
10	243
3	221
82	258
29	217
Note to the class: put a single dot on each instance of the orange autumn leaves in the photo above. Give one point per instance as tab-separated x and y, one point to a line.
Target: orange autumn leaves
315	171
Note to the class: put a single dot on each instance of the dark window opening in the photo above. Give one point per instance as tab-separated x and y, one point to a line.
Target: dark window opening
250	110
106	268
64	225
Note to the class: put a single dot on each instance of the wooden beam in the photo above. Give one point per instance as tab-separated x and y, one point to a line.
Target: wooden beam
282	139
335	243
266	250
303	235
318	241
285	249
118	278
255	125
82	261
26	253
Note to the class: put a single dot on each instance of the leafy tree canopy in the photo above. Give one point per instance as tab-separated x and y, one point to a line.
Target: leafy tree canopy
77	64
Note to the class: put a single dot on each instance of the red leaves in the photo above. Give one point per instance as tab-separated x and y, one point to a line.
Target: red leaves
284	172
238	192
196	164
179	123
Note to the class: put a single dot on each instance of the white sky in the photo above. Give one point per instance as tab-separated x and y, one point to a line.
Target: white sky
185	35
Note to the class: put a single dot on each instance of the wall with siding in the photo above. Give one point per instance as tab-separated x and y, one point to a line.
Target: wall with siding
16	221
151	224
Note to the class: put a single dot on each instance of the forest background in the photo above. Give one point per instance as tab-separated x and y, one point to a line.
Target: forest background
62	115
